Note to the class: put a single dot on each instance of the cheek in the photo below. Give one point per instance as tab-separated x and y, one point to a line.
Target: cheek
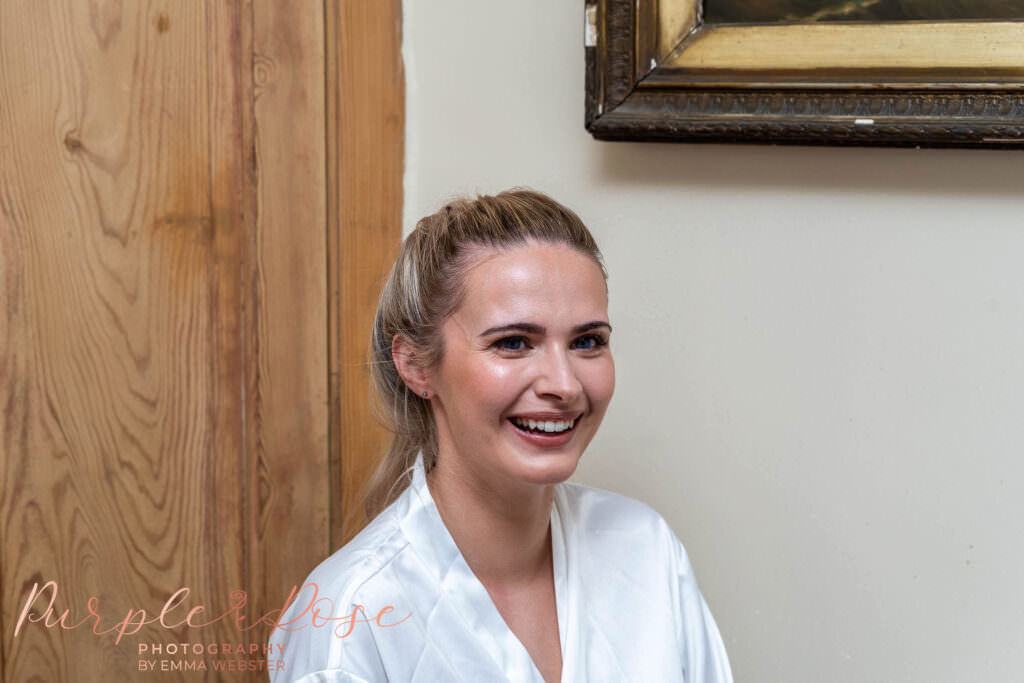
500	382
485	381
599	380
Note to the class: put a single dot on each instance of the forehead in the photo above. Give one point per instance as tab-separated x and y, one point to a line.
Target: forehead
540	283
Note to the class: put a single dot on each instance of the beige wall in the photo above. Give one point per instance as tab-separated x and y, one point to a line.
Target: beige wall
820	353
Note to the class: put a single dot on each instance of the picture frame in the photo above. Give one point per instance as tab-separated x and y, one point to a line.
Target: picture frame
656	72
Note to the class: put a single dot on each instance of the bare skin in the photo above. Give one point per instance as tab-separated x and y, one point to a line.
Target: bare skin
532	614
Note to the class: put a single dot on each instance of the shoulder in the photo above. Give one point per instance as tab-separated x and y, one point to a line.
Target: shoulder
598	510
361	559
632	557
323	633
617	532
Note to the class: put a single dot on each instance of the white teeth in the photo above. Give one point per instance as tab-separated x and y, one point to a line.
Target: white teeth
552	426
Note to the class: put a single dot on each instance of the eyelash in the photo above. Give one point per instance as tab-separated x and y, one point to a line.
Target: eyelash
598	340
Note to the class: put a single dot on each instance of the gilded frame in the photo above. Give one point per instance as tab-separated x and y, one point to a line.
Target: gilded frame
655	71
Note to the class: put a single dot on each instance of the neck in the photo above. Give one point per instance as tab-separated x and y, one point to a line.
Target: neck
503	535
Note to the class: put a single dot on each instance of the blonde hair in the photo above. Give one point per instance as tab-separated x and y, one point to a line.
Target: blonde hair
424	287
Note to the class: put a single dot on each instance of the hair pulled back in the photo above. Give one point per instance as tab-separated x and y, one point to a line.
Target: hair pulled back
424	287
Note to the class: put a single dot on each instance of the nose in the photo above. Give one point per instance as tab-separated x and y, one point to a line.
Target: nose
557	378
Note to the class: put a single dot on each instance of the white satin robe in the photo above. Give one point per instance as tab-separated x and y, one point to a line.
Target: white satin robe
628	606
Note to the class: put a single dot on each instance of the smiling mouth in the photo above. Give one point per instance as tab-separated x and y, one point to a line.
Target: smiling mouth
544	427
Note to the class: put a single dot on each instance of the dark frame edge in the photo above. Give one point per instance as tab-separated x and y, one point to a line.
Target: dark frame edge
617	110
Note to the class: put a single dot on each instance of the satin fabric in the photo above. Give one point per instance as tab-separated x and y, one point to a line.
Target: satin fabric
628	605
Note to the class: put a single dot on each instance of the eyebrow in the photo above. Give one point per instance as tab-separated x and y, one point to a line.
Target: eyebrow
532	328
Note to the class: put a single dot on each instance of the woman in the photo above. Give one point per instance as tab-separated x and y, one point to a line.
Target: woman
482	563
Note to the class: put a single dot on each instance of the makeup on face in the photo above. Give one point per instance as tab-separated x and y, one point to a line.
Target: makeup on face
527	372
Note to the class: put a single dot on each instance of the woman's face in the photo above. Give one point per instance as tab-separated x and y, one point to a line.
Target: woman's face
528	343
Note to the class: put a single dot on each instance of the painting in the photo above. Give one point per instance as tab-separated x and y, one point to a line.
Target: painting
794	11
939	73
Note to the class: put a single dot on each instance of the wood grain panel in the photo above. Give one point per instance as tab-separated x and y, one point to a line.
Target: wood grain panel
366	121
288	406
123	230
198	204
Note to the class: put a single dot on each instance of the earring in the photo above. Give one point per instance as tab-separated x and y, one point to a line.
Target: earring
424	394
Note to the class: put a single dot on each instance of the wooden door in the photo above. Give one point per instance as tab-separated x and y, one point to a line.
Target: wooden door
182	394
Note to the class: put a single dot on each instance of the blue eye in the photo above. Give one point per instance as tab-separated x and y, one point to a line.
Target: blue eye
511	343
589	342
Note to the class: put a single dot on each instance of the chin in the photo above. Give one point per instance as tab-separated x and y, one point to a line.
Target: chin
549	469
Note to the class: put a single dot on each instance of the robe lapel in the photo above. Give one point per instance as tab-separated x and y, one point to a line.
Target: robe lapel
565	590
481	622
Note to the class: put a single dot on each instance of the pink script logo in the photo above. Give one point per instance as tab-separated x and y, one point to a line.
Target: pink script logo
319	609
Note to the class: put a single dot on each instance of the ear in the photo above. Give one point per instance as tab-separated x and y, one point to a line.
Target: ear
408	364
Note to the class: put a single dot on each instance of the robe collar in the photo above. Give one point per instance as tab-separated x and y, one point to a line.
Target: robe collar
422	525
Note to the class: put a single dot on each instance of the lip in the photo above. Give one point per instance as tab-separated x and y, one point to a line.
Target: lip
564	417
545	440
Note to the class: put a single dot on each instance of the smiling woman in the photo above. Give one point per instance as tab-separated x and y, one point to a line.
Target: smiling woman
526	373
492	357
